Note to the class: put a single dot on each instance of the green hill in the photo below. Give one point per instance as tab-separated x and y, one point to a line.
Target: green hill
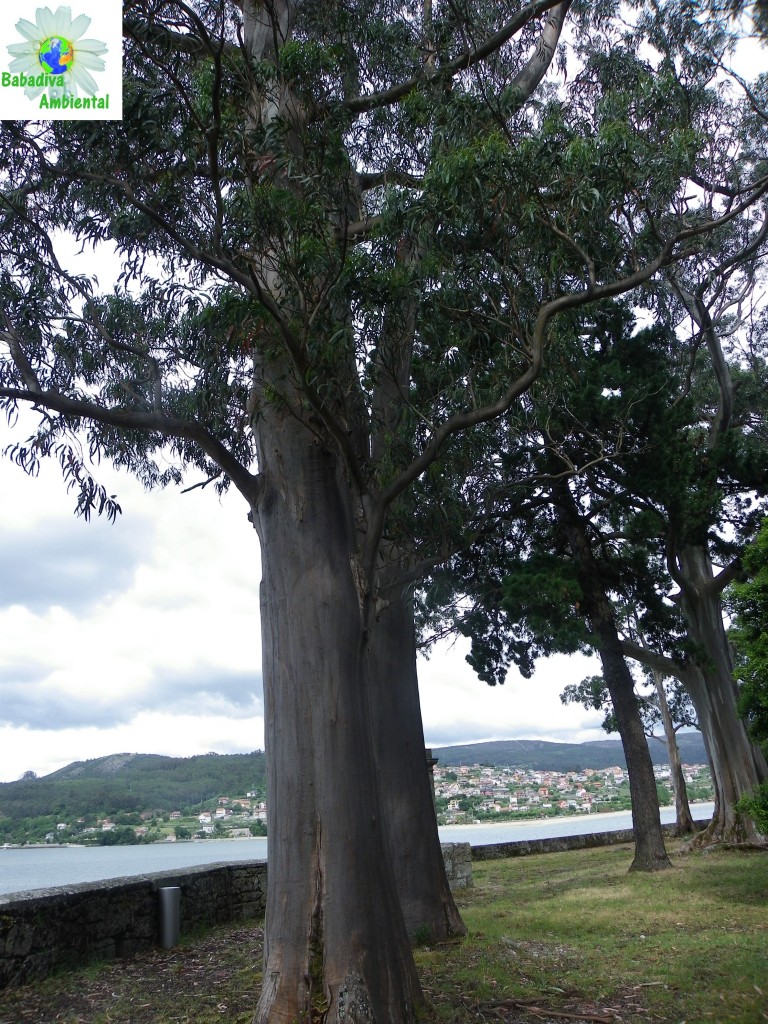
564	757
133	783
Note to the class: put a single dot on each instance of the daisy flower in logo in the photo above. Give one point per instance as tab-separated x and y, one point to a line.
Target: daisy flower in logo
54	47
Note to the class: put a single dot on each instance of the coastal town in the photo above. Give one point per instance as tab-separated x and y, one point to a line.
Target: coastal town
464	794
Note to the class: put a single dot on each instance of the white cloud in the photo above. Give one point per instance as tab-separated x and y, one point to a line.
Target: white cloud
144	636
458	708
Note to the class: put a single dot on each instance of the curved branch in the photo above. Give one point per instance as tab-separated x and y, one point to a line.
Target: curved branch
474	417
143	32
652	659
363	104
528	79
147	422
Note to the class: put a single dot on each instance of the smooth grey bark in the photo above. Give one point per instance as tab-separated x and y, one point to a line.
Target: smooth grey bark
336	944
683	818
738	763
723	733
404	781
650	852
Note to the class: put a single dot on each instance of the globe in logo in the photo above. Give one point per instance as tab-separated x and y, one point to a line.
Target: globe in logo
55	55
53	44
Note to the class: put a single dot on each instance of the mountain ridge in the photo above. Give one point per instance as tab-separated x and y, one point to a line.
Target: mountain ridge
545	755
135	782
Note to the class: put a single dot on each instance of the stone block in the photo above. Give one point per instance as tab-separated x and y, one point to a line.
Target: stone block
458	864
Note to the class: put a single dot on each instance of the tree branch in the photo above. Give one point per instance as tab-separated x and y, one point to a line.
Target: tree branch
660	663
473	417
147	422
364	104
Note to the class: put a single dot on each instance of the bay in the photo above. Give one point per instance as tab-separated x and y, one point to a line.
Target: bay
30	868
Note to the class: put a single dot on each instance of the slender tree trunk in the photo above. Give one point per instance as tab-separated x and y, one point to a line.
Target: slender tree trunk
683	819
336	945
406	791
650	852
737	762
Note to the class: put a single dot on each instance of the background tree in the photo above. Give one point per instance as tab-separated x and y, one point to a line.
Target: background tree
748	600
655	709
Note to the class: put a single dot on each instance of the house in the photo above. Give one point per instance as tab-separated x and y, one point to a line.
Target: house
174	815
204	818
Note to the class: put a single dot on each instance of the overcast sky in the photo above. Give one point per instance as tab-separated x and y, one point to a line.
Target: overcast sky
143	636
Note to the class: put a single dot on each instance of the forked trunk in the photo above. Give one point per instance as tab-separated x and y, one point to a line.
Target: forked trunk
405	785
737	762
732	759
336	946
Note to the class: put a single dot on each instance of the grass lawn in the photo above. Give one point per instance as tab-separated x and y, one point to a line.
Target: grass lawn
552	938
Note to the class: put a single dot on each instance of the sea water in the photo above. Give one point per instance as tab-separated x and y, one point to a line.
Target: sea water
29	868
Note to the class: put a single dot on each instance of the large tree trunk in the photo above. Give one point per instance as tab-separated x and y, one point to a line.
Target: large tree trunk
683	819
738	763
404	781
650	852
336	946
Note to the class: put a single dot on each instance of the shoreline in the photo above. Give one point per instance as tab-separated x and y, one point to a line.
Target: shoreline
521	823
585	816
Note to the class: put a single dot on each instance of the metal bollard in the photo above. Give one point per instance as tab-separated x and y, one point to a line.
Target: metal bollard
170	906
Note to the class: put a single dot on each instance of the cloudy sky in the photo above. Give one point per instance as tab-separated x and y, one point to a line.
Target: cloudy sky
144	635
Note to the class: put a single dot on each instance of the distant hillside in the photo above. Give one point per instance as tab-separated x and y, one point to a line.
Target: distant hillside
133	782
146	782
564	757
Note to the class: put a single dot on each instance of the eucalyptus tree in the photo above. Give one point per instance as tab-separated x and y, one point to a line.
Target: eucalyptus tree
748	600
328	215
673	710
709	507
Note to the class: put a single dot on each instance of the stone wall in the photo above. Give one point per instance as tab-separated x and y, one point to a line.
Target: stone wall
560	844
49	929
